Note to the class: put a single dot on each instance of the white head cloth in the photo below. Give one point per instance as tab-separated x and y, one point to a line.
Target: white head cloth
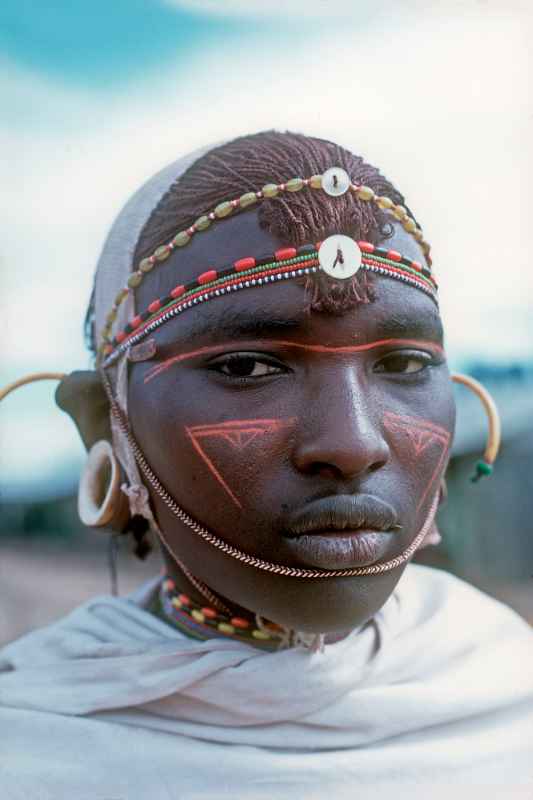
113	269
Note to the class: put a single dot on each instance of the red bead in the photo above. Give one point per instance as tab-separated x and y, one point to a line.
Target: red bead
136	321
244	263
177	291
286	252
184	600
169	584
210	613
239	622
393	255
120	336
207	277
366	247
155	306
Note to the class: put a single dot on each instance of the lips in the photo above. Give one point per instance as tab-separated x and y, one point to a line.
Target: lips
342	531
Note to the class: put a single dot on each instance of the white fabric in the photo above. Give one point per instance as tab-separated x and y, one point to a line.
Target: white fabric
434	698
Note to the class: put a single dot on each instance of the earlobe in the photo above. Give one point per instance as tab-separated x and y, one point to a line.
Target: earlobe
82	396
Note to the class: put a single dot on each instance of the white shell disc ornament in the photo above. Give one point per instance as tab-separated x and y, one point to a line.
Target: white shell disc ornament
339	256
335	181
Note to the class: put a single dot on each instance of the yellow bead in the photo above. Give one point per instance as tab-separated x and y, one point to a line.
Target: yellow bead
400	212
247	199
365	193
225	627
176	602
384	202
120	296
270	190
162	252
180	239
197	615
315	181
294	185
223	209
135	280
202	223
257	634
409	225
146	265
111	317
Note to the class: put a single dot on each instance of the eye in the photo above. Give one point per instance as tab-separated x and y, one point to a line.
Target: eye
245	365
404	363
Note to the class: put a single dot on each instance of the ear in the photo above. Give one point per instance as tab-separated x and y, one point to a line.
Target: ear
82	396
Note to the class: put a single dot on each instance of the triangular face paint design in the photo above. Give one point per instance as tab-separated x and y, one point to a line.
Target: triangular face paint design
238	434
422	434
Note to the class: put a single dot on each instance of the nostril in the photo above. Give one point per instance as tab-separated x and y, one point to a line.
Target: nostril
376	465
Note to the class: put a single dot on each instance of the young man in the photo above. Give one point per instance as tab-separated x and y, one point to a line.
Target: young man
272	399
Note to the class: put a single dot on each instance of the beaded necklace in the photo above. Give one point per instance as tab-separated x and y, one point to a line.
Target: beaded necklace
205	622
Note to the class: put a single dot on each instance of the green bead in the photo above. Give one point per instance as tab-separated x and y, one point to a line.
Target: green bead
182	238
223	209
135	280
294	185
162	252
146	265
202	223
270	190
247	199
482	469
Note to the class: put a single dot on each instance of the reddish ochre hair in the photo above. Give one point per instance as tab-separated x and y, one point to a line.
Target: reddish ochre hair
248	163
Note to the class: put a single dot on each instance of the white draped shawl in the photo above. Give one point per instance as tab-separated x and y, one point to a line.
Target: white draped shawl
433	698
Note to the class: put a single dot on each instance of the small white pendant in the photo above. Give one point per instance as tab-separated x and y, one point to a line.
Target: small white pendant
335	181
339	256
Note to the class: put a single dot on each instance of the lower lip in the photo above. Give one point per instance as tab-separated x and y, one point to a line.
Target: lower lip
339	549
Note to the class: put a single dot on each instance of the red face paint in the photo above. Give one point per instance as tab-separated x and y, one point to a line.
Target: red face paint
312	348
426	439
210	441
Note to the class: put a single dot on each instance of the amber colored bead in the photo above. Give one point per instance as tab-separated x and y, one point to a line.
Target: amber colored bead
315	181
400	212
419	236
384	202
224	627
223	209
270	190
257	634
409	225
135	280
247	199
182	238
146	265
365	193
202	223
162	252
294	185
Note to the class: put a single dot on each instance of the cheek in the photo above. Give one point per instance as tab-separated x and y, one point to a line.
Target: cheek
422	447
232	455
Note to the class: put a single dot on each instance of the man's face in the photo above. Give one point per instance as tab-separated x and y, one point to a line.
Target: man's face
267	423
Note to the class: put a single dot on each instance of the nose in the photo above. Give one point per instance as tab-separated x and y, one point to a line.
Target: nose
342	436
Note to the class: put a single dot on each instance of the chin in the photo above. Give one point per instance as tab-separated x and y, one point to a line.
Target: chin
335	606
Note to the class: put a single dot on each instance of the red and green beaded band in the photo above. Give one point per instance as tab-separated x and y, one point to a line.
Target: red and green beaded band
225	209
289	262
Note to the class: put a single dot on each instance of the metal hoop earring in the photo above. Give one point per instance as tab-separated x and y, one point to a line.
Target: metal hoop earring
485	465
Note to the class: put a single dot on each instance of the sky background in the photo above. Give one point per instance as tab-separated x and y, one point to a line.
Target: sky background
98	96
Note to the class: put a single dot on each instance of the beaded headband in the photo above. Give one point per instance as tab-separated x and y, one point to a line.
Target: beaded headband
334	182
339	256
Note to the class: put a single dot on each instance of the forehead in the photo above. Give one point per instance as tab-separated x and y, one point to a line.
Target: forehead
280	306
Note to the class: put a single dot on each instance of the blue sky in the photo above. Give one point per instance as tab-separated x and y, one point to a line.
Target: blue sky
98	96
